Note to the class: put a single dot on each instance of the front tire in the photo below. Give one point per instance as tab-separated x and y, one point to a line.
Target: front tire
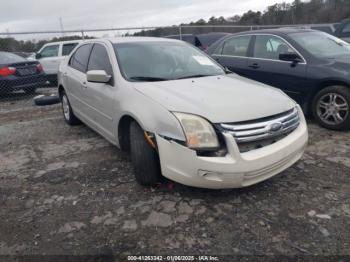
331	108
68	114
144	158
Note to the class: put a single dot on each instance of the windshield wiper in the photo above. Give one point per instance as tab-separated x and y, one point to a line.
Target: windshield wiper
192	76
148	78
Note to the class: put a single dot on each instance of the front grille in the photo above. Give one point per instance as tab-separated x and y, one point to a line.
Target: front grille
259	133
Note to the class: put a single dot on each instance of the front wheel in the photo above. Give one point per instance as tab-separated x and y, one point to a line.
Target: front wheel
144	158
331	108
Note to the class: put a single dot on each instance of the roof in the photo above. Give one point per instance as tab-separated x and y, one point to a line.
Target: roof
282	30
65	42
129	39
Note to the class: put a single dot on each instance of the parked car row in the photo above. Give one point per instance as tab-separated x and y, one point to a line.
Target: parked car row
225	118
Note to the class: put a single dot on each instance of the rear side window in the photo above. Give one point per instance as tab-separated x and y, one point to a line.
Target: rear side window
68	48
80	58
99	60
236	46
49	51
346	29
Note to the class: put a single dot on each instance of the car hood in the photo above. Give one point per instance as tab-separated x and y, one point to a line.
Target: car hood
219	99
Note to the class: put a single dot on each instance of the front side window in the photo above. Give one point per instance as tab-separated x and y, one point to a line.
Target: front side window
68	48
80	58
322	45
49	51
236	46
99	59
161	61
270	47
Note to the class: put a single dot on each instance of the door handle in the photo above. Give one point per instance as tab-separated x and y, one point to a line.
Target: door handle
65	74
254	66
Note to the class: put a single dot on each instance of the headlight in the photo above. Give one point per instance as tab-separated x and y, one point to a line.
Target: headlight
199	133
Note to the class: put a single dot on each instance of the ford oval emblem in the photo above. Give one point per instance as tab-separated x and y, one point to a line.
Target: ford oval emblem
275	127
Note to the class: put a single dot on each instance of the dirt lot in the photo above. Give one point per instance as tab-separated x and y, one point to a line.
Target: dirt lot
65	190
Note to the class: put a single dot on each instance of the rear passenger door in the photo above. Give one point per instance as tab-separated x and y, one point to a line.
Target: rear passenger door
233	52
100	96
75	79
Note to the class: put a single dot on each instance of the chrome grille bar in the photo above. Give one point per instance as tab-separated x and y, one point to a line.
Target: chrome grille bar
271	128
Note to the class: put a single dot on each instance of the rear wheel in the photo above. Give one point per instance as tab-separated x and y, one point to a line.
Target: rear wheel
68	114
331	108
144	157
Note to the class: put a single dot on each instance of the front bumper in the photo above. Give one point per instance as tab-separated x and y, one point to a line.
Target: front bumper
236	169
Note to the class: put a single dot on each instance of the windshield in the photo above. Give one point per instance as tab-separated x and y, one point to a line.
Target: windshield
9	58
322	45
161	61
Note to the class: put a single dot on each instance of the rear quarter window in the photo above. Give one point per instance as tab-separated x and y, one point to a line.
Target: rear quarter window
68	48
80	58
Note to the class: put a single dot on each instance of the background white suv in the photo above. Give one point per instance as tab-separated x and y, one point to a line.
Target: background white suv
51	55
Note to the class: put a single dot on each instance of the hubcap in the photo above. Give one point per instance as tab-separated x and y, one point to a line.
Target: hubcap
65	107
332	109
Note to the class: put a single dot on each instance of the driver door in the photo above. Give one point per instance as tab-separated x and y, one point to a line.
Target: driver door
266	67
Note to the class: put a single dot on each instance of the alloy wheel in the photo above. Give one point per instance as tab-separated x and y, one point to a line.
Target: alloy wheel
332	108
65	107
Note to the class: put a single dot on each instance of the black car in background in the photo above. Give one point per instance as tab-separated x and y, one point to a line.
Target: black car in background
310	66
17	73
202	41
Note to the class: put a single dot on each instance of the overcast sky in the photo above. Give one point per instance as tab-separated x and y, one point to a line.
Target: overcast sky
38	15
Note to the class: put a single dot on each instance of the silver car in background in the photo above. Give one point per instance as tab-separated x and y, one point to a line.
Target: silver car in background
180	114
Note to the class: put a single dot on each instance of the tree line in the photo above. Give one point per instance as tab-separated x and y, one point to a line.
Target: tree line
298	12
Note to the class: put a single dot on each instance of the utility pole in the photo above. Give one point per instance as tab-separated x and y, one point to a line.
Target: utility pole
61	25
8	33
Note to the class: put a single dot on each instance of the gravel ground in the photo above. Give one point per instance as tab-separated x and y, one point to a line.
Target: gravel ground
65	190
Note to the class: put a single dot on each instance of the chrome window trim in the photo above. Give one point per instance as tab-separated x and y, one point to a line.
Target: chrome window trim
266	59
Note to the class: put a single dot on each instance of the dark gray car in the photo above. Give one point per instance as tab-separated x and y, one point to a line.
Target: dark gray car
312	67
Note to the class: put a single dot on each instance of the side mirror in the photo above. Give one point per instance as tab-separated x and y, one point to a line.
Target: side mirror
290	57
98	76
37	56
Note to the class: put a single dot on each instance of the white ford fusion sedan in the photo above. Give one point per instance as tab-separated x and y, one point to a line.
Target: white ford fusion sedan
180	114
